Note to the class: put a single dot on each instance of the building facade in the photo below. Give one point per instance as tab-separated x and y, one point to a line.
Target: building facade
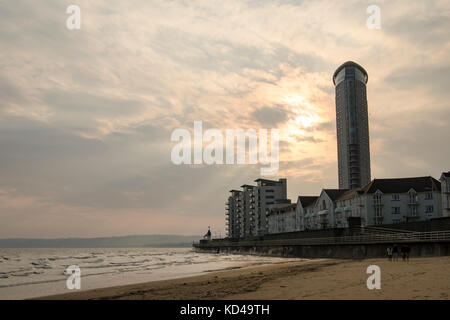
233	214
445	191
282	219
352	124
382	201
247	209
267	192
305	205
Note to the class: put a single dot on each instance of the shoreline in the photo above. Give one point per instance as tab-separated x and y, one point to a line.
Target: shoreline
421	278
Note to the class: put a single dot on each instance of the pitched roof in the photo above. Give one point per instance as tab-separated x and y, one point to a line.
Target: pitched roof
290	207
335	193
350	194
403	185
267	180
306	201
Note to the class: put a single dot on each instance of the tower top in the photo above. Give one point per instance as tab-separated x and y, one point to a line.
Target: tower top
349	64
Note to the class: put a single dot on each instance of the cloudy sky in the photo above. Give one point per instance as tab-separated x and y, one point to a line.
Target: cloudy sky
86	115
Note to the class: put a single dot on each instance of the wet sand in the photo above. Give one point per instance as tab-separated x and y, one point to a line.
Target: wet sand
421	278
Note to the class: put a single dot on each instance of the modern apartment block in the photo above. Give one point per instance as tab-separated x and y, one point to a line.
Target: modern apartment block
233	209
249	213
352	124
247	209
382	201
267	192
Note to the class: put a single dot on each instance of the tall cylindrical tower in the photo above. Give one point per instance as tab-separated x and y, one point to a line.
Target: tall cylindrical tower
352	123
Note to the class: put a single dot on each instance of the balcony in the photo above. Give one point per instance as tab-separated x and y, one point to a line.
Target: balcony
378	220
323	212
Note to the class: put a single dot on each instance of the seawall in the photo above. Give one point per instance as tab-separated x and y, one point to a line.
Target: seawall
340	251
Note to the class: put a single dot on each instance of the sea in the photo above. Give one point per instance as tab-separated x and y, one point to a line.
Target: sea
37	272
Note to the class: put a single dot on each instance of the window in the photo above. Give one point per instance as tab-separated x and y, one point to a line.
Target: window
413	197
395	197
429	209
396	221
269	190
377	198
428	196
378	212
395	210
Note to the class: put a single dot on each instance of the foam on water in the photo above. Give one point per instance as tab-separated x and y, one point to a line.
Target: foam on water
27	273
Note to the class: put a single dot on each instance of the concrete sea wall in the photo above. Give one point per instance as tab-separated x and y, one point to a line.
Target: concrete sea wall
340	251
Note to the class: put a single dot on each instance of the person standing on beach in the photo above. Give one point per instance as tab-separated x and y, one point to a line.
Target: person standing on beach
389	253
407	251
395	252
403	252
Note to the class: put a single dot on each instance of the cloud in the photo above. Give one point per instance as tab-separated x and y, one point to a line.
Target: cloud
270	116
86	115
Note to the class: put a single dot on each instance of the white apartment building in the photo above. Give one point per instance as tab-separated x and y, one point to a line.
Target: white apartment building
445	193
304	207
388	201
382	201
282	219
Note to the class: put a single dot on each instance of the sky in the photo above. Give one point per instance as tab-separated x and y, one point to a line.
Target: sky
86	115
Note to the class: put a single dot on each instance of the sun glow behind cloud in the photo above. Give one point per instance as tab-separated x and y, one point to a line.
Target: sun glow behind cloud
86	116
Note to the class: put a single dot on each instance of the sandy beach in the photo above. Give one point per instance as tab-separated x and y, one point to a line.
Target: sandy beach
421	278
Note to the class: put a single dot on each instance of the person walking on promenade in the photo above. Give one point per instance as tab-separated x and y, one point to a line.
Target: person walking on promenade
207	236
395	252
389	253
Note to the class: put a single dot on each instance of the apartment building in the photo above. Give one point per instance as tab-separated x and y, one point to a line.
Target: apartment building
282	219
247	209
445	193
267	192
233	208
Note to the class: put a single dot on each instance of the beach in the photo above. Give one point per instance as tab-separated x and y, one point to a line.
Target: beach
420	278
35	272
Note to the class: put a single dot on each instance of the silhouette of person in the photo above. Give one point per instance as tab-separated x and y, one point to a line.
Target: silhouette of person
208	234
395	252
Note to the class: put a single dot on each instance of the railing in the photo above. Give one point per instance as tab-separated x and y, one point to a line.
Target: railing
358	239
